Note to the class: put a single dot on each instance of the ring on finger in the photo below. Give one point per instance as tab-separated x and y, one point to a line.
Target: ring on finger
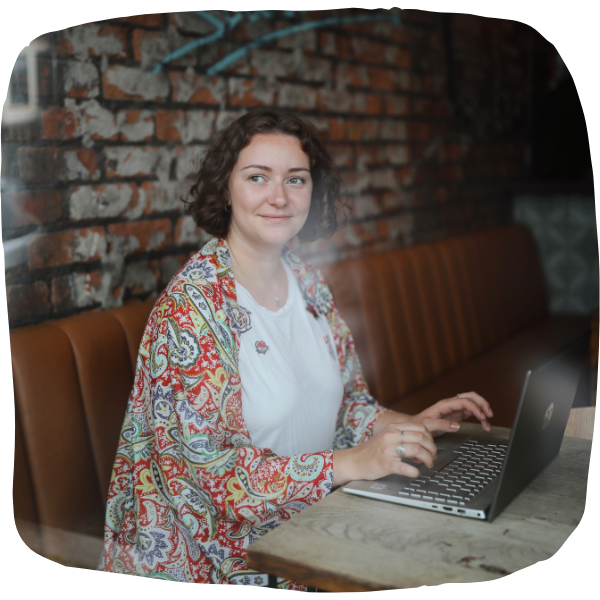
400	450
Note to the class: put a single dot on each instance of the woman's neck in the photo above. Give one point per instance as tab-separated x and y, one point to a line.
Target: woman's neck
259	266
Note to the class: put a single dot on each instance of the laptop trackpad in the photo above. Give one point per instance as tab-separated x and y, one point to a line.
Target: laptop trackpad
446	444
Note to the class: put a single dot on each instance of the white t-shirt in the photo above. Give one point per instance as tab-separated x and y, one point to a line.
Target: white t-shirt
291	384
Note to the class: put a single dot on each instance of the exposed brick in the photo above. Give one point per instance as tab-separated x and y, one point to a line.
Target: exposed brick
164	196
334	45
197	89
95	122
66	247
394	130
397	105
152	21
187	232
27	301
367	50
336	100
296	96
418	131
136	161
337	129
367	104
399	57
79	164
188	126
305	40
142	276
190	22
76	290
274	63
351	75
397	154
342	154
128	83
366	129
94	39
250	92
188	161
141	236
136	125
382	79
59	123
169	265
151	47
80	79
30	207
166	125
38	165
105	201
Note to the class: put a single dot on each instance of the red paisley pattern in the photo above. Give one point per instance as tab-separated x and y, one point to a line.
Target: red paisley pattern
189	491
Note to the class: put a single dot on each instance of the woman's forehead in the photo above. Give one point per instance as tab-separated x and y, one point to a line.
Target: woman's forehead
276	149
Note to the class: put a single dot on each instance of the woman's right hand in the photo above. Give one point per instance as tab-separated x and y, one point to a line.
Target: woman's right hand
377	456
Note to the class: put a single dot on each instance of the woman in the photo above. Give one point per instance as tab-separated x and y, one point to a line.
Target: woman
249	403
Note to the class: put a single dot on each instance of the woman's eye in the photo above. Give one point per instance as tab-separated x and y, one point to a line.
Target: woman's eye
255	178
295	180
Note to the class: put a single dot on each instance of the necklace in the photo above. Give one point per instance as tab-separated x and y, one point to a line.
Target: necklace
275	298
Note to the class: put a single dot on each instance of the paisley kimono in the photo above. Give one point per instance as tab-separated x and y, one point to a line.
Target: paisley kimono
189	491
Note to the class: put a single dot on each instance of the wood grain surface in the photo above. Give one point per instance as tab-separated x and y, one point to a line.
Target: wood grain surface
351	543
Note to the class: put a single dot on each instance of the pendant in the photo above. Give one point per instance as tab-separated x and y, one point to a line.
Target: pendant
277	301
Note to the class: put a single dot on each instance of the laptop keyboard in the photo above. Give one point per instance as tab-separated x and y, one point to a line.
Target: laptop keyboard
462	479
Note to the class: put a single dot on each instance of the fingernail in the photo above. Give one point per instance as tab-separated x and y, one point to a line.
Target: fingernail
454	426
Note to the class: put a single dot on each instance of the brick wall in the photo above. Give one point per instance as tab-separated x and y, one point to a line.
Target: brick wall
427	122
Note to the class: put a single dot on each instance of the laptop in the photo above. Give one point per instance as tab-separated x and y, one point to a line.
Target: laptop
478	477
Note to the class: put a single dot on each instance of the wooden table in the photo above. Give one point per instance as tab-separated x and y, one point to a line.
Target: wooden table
350	543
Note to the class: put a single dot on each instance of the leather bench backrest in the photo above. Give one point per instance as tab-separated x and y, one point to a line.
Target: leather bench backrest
417	312
72	379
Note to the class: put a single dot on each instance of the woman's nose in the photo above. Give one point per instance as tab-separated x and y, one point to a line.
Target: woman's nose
278	195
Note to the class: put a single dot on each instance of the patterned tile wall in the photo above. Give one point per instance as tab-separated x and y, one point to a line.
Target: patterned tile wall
565	230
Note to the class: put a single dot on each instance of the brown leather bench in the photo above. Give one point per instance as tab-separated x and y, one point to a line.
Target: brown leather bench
429	321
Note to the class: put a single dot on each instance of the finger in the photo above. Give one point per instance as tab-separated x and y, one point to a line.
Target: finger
464	403
481	402
443	425
416	451
421	439
403	468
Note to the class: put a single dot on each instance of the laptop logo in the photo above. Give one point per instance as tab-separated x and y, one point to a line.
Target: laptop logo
548	415
378	486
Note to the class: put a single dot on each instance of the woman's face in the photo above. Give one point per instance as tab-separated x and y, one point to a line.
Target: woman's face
270	189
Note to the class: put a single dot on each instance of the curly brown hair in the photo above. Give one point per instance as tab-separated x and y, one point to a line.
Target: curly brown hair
209	195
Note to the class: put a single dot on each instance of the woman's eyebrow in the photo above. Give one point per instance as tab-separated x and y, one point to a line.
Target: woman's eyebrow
269	168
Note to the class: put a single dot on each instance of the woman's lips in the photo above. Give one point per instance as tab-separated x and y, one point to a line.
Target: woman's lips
275	218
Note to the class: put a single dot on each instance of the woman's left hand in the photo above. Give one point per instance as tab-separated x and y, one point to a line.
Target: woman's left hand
445	415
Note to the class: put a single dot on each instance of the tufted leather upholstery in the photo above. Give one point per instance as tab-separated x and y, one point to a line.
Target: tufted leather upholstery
428	321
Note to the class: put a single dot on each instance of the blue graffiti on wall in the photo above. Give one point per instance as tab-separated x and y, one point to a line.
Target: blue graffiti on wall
228	22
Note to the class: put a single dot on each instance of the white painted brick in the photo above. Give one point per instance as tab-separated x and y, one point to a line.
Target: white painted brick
105	201
297	96
137	83
141	130
134	161
84	38
79	76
